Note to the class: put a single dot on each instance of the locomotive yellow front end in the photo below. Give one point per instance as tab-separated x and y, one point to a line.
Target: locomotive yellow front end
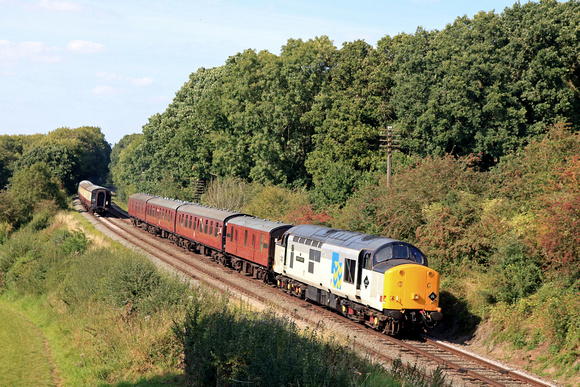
411	296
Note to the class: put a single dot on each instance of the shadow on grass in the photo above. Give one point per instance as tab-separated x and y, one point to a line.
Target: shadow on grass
161	381
458	324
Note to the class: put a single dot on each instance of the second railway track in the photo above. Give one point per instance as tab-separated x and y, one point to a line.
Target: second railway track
459	368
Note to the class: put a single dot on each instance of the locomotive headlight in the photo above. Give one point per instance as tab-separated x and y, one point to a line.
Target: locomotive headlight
415	296
400	284
430	274
428	285
402	272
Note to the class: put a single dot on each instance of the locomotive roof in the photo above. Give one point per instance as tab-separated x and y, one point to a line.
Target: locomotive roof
142	197
206	212
257	224
167	203
349	239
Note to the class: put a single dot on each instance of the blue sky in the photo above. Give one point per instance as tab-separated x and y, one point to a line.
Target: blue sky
115	63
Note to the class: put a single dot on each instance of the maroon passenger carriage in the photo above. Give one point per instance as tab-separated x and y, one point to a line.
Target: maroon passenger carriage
94	197
253	240
201	228
237	240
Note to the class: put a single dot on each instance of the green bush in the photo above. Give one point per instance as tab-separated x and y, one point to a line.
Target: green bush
131	280
517	271
22	246
71	243
123	279
5	231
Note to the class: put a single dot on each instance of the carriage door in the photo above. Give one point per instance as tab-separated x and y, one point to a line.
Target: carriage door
101	197
284	252
364	275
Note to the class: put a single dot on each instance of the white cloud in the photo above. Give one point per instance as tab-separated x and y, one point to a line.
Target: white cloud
101	89
62	6
85	47
12	53
142	81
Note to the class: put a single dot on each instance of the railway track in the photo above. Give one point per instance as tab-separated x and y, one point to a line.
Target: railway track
459	368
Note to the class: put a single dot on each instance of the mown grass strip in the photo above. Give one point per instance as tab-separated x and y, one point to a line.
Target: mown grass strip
24	359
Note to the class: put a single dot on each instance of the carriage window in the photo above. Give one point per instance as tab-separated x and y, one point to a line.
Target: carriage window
261	242
236	235
205	228
211	228
246	238
253	240
217	229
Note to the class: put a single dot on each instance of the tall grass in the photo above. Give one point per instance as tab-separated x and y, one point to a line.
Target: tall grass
226	346
107	311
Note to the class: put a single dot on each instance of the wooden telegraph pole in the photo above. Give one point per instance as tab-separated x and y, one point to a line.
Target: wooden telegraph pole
389	142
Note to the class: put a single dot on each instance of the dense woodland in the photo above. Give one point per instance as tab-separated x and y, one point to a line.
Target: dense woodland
486	179
311	116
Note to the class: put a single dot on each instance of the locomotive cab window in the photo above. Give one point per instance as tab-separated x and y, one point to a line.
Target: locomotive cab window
399	251
366	259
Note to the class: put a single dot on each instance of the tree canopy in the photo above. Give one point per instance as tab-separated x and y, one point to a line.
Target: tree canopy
311	116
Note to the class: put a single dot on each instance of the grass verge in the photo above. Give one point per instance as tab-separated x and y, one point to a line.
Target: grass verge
24	358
